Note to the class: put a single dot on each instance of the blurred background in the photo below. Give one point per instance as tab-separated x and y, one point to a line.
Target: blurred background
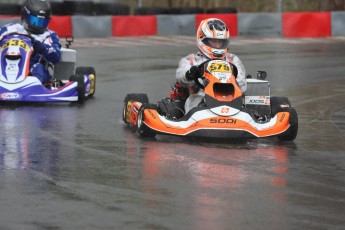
142	7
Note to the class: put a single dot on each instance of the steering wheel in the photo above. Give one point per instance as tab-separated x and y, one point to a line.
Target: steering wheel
202	67
21	34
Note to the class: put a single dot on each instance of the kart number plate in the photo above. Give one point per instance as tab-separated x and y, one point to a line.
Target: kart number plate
222	67
15	42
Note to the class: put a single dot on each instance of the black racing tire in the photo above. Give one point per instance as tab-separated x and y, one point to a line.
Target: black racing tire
139	97
291	133
225	10
279	104
107	8
79	7
10	9
80	88
142	129
58	8
150	11
186	10
87	70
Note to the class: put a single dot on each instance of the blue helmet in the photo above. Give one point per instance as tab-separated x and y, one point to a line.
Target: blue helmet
35	15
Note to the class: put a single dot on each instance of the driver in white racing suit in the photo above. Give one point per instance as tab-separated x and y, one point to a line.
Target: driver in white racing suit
213	38
35	17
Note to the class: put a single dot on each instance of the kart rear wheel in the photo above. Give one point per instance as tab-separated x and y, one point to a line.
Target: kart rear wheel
291	133
279	104
142	129
139	97
80	87
90	71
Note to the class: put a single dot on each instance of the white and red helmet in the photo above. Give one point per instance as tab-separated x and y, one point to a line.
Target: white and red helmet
213	29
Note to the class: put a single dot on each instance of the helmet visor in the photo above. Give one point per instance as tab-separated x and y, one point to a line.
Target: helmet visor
37	21
217	43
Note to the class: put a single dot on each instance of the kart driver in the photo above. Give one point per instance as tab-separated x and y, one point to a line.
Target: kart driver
35	17
213	40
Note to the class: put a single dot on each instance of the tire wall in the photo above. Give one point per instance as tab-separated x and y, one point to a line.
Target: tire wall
62	25
8	19
287	25
91	27
176	25
306	24
338	23
260	24
134	25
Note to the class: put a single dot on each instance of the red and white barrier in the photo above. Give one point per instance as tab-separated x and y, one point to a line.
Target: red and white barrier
297	25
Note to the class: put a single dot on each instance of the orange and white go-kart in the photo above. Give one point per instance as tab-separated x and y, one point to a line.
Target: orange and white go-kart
225	111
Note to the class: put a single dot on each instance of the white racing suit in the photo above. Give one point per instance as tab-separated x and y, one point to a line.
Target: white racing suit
196	59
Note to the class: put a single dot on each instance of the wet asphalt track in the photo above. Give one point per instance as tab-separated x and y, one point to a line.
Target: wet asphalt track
76	167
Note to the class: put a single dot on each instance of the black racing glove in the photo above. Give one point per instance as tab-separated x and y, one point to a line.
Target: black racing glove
193	73
39	47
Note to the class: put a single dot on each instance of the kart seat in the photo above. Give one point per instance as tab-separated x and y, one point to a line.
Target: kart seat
66	67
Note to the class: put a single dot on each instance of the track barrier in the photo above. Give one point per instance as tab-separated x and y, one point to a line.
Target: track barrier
287	25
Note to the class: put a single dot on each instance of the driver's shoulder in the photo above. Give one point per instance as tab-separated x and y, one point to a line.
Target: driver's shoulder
51	32
47	34
14	27
231	56
198	58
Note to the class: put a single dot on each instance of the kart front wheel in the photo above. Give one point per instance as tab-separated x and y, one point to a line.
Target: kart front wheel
291	133
142	129
279	104
80	87
139	97
91	73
